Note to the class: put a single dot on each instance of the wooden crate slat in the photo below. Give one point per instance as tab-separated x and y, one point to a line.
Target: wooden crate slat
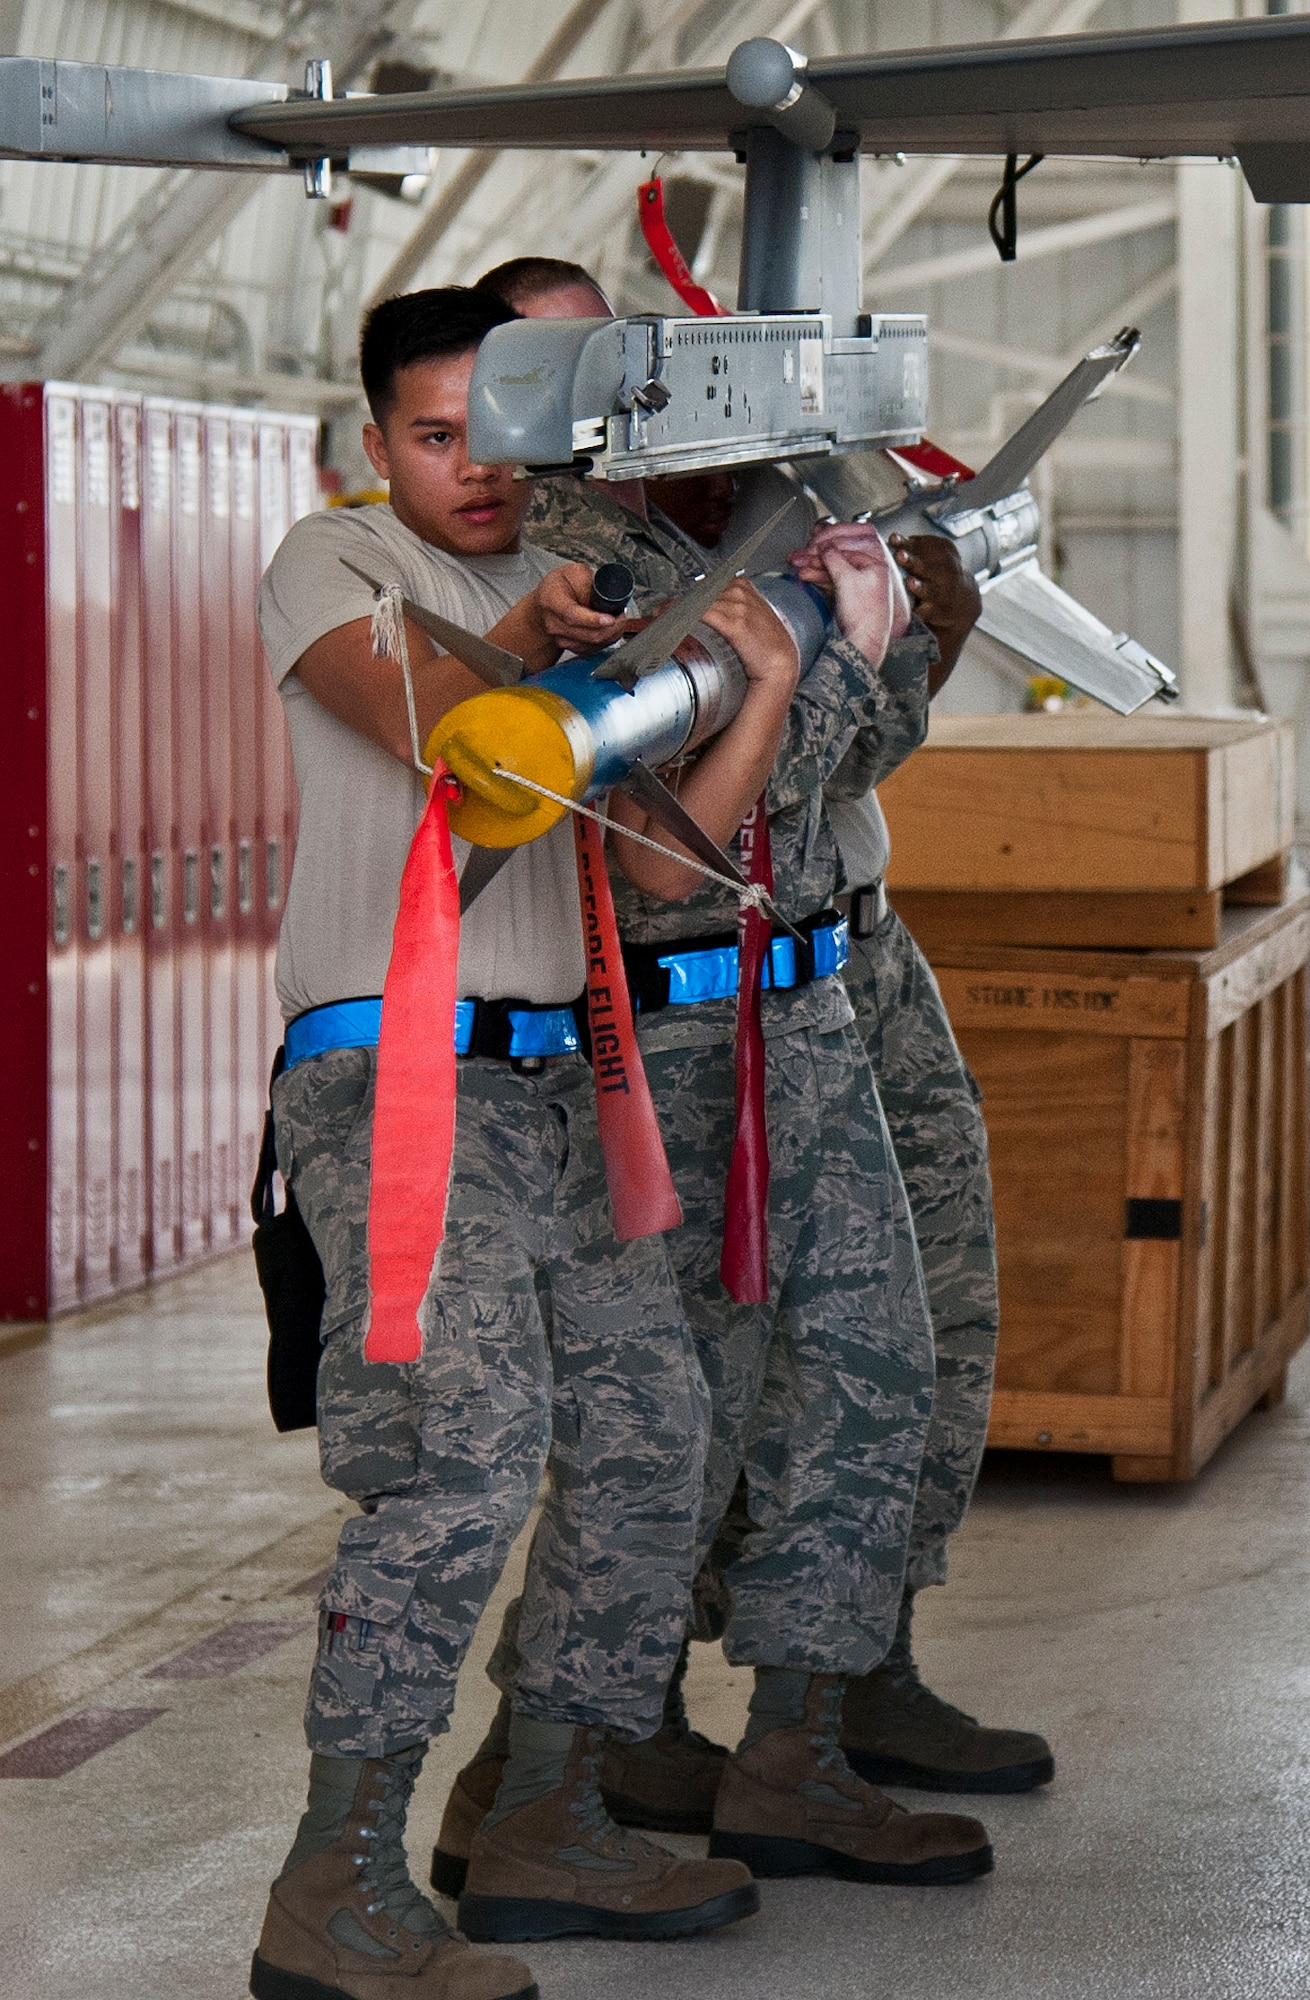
1153	1174
1042	1420
1059	1205
1238	985
1118	1003
1111	920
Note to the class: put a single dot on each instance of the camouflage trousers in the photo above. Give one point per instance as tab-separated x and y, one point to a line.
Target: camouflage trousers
931	1106
932	1109
445	1456
825	1394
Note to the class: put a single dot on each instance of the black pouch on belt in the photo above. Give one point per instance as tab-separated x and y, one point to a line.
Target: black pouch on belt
291	1279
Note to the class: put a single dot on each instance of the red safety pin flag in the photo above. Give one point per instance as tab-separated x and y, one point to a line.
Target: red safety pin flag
414	1112
662	247
744	1263
643	1198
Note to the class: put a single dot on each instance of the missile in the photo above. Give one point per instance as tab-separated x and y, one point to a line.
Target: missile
531	745
993	520
579	728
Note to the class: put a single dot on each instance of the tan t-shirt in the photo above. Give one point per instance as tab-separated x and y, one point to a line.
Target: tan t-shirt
522	939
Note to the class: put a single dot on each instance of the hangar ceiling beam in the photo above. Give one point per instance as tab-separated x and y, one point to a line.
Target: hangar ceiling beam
1046	368
576	227
455	196
1104	228
182	214
926	178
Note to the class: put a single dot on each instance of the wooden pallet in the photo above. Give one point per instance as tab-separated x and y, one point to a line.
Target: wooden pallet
1148	1122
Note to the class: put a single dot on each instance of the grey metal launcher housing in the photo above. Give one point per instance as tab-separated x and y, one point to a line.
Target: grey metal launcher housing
624	398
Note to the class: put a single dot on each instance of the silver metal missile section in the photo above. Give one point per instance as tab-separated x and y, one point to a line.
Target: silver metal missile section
682	703
990	540
625	398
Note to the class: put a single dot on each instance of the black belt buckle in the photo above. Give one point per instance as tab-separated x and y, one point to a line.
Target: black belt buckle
863	918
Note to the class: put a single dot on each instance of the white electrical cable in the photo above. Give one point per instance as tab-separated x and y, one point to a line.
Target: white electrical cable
751	895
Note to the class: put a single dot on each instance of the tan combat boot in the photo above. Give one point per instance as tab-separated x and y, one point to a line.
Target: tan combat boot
667	1784
559	1867
791	1805
896	1731
471	1798
348	1924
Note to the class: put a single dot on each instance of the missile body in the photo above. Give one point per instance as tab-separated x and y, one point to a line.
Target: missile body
580	735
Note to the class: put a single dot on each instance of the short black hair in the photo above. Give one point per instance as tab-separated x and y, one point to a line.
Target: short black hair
523	279
420	326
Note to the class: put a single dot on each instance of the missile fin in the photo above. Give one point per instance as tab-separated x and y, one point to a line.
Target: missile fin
642	785
479	871
1006	471
649	649
1031	616
493	663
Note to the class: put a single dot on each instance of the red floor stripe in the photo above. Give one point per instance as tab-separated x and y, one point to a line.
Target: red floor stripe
62	1748
224	1651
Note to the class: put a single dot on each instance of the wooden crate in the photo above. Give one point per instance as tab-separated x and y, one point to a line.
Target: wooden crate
1088	830
1147	1116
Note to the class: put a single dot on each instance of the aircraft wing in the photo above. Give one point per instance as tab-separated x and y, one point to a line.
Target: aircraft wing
1025	611
1210	89
1213	88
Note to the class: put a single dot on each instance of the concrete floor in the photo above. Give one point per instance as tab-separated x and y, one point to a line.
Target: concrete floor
161	1551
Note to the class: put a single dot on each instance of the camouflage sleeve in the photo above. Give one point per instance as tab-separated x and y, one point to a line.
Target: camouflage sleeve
570	519
848	712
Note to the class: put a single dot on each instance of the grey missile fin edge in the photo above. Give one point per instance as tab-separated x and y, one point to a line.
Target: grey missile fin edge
493	663
1007	469
632	658
479	872
642	786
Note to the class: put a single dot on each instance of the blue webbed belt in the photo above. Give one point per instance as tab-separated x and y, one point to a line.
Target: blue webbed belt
686	970
505	1030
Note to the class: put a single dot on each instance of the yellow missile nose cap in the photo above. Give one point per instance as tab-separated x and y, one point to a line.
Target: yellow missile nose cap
526	730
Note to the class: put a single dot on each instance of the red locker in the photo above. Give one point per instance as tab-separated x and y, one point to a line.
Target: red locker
252	1006
162	897
27	854
274	520
64	967
189	700
145	831
93	888
217	915
129	902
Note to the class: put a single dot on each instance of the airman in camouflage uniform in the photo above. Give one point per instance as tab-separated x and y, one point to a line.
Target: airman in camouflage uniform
825	1393
932	1111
